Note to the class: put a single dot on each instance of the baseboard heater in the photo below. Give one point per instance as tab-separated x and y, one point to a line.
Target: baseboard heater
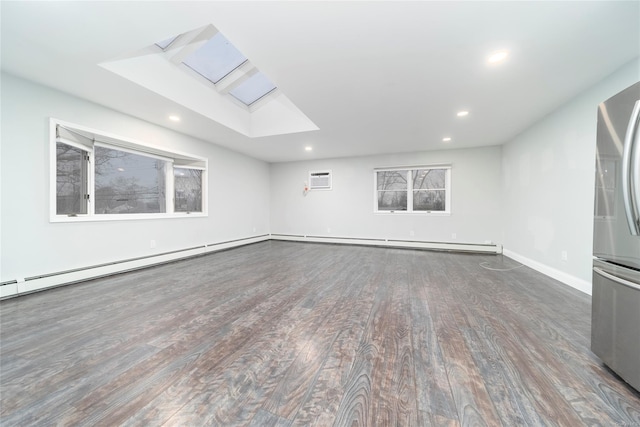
413	244
37	283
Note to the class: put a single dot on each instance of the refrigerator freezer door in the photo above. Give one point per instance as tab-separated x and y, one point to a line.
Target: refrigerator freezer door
617	134
615	320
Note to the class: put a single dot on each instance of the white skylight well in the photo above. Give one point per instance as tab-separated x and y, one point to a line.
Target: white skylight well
253	89
216	59
203	71
165	43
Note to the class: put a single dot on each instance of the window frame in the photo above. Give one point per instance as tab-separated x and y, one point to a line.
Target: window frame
174	159
214	56
183	46
86	170
202	186
408	170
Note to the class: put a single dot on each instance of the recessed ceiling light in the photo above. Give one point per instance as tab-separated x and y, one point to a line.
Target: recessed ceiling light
447	139
308	148
497	56
174	118
462	113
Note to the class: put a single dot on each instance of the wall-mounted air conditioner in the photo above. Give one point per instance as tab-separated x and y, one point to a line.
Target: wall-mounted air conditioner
320	180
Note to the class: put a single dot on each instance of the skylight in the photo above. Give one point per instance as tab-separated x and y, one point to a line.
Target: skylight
216	59
253	89
202	71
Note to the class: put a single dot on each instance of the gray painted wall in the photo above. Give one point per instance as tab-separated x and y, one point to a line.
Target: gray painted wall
548	185
347	209
31	245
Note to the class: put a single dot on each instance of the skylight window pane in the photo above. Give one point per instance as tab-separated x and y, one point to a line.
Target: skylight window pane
165	43
215	59
253	89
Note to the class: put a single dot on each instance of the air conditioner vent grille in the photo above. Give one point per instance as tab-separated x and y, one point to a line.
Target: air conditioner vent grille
320	180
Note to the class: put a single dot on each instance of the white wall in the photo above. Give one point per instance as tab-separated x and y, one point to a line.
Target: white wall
347	209
548	185
30	245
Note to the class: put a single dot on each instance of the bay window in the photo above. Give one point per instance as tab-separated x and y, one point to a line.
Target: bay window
102	177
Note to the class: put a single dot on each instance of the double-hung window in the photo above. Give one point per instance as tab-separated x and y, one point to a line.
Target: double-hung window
425	189
102	177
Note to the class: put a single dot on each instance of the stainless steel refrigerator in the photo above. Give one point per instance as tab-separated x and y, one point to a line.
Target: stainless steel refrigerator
615	317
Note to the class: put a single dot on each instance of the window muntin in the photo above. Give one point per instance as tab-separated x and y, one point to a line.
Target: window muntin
416	190
215	59
71	179
103	177
252	89
126	182
188	189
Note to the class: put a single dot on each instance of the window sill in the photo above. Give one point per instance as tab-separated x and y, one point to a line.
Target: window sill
125	217
412	213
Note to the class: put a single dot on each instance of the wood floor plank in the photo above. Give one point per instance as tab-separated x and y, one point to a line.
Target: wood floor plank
498	354
322	402
211	333
217	350
259	335
297	382
356	404
393	379
266	419
584	402
473	403
267	351
280	382
434	398
533	380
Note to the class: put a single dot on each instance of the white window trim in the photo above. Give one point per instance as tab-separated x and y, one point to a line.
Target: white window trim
408	170
128	145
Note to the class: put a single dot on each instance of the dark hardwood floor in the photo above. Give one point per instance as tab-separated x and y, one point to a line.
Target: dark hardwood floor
297	334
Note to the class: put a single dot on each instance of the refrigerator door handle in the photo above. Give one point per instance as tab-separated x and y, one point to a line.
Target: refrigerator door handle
635	170
630	199
616	279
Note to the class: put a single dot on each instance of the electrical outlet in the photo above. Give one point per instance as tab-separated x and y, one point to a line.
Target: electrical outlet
563	255
152	244
412	233
454	236
328	229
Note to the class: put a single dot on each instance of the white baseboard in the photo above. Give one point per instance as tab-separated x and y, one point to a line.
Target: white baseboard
566	278
23	286
8	290
37	283
414	244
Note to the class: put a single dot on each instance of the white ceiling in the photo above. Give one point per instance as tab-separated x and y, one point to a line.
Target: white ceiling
375	77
